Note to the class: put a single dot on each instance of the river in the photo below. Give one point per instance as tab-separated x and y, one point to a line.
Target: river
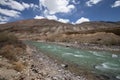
98	62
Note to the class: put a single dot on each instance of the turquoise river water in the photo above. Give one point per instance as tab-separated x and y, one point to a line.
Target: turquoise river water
99	62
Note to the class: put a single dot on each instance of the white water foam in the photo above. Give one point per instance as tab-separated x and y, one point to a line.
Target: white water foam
55	49
107	65
118	76
67	54
96	54
48	46
99	67
79	56
100	58
77	52
114	56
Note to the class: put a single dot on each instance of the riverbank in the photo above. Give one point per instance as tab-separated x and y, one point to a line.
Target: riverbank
39	67
42	66
75	68
45	68
65	65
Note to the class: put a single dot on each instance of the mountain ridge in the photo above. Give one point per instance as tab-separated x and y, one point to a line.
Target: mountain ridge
52	23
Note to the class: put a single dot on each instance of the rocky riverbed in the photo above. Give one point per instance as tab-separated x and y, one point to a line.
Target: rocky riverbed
44	68
39	67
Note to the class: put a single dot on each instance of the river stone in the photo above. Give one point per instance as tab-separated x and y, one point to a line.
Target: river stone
64	65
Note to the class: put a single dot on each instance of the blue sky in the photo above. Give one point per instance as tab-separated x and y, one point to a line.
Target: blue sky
66	11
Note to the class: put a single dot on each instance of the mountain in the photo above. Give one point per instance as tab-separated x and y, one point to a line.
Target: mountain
44	25
34	25
51	30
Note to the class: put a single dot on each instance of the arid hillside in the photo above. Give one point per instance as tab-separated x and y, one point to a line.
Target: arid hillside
107	33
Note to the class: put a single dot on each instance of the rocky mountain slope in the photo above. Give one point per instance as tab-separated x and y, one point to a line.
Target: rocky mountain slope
51	30
44	25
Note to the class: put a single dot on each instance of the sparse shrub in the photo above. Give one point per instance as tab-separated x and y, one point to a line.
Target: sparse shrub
12	49
18	66
9	52
10	46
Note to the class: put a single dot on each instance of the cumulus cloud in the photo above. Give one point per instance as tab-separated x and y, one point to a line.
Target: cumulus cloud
56	6
116	4
39	17
33	6
13	9
10	13
92	2
3	19
75	2
81	20
52	17
13	4
64	20
17	5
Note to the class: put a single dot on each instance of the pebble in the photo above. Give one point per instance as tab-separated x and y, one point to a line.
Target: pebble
55	78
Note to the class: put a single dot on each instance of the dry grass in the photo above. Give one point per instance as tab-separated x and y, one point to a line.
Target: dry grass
12	49
9	52
10	46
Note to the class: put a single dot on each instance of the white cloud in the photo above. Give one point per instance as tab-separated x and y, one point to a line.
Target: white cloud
10	13
81	20
39	17
64	20
33	6
51	17
116	4
17	5
12	4
25	5
92	2
3	18
3	22
75	2
56	6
